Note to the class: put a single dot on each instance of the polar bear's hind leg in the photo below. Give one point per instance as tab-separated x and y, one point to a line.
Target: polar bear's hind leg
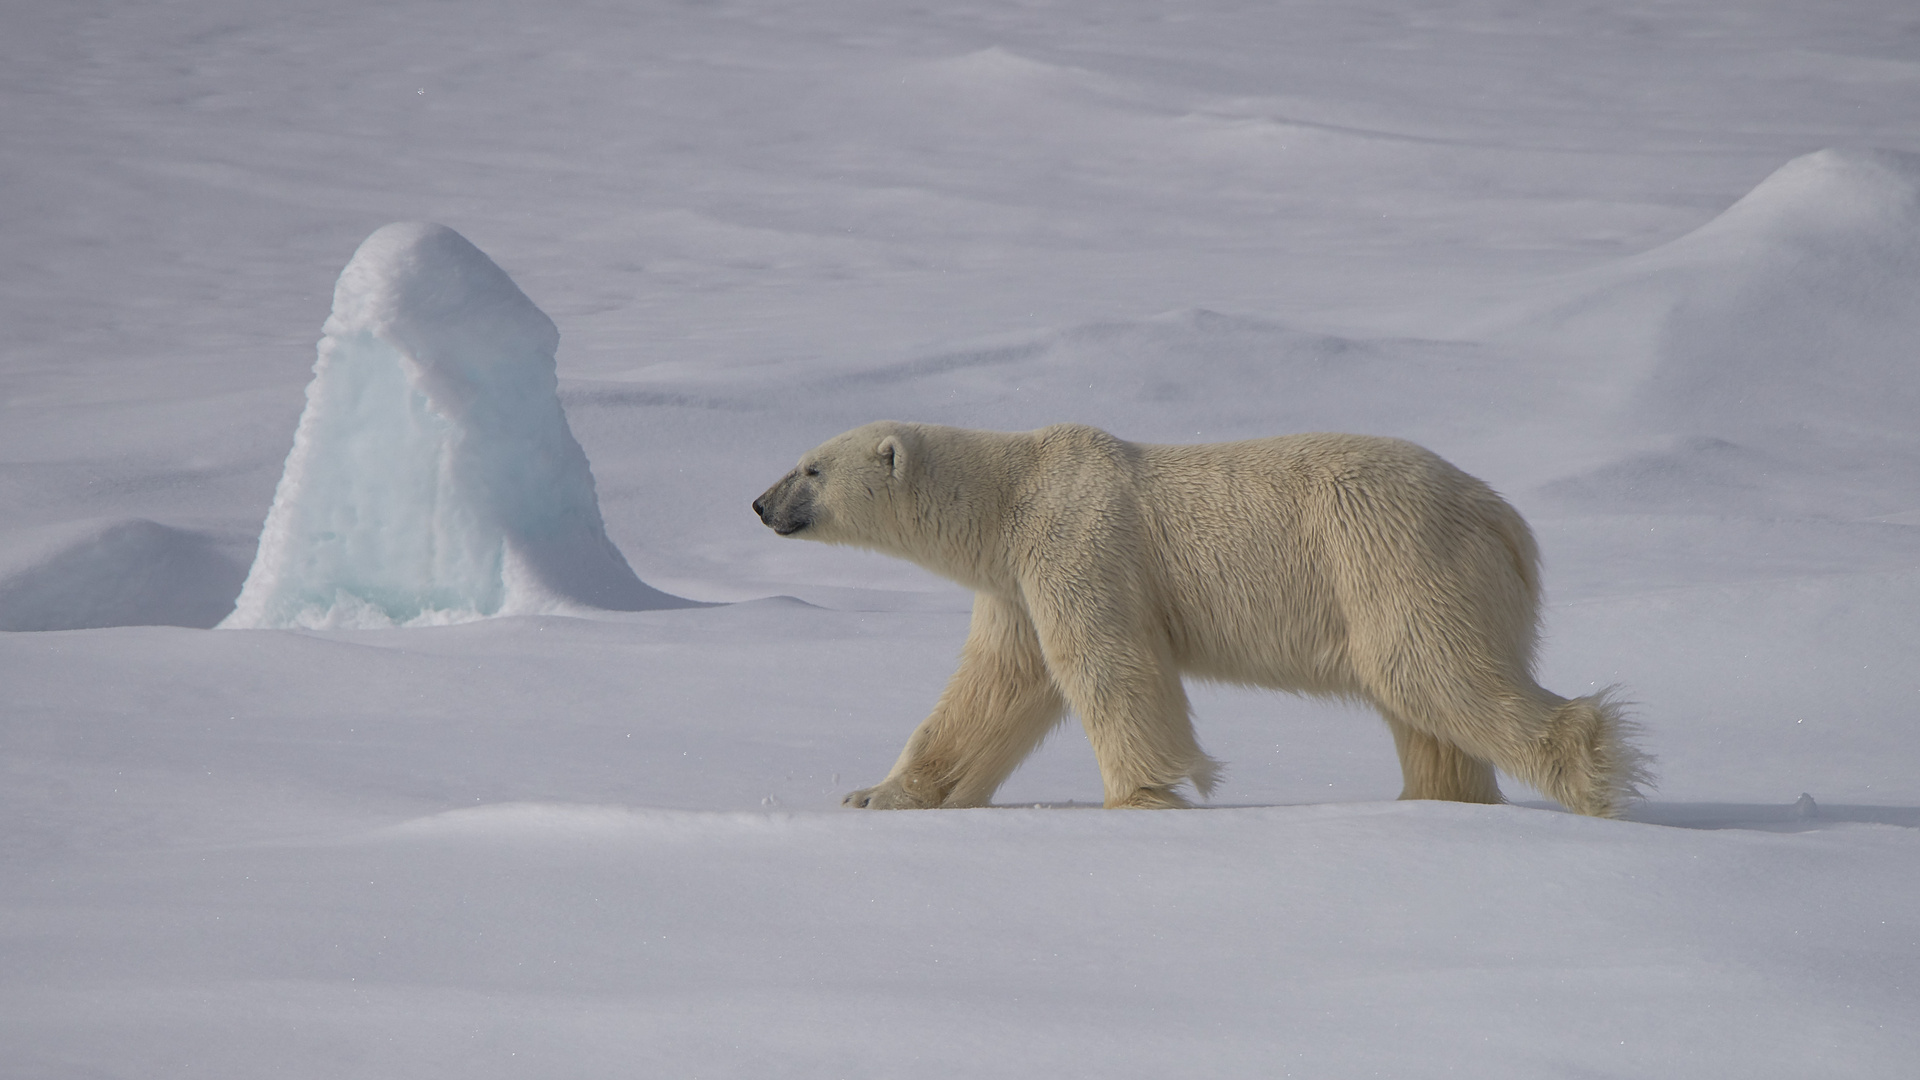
1433	768
1577	752
1583	757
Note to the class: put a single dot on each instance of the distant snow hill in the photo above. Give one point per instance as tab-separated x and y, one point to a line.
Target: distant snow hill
1776	348
1800	303
116	572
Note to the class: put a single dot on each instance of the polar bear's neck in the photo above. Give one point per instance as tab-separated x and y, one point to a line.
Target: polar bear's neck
965	486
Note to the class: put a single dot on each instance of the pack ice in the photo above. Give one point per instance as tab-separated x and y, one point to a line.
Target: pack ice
433	478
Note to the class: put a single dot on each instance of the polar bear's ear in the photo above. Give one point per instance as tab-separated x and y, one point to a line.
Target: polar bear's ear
894	453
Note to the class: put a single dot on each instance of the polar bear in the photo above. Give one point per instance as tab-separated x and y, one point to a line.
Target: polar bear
1344	565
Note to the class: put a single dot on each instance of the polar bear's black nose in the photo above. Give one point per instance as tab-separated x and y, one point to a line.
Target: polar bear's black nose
760	509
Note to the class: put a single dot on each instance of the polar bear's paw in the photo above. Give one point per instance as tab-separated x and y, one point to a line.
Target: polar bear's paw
887	795
1151	798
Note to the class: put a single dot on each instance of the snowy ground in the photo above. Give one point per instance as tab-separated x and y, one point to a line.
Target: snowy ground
1651	270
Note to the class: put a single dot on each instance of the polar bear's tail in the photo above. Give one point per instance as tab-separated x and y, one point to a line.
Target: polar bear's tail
1593	766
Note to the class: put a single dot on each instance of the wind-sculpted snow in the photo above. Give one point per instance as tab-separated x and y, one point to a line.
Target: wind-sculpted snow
1796	306
115	572
1763	364
433	478
1801	304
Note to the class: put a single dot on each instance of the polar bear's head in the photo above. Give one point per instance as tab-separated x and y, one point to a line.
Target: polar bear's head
851	489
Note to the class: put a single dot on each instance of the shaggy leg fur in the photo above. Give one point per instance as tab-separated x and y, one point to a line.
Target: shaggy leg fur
1131	703
1434	769
1582	757
996	709
1575	752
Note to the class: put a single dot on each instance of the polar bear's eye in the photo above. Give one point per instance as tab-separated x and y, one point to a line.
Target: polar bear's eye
811	471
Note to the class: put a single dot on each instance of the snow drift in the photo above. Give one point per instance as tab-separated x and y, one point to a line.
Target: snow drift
115	572
1764	362
1797	307
433	477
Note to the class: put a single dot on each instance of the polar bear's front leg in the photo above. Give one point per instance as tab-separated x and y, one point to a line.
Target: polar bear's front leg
996	709
1115	668
889	794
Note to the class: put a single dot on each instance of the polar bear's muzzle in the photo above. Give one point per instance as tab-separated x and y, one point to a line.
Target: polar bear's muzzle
786	507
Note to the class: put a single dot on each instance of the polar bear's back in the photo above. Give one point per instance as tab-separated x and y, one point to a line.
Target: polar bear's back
1316	562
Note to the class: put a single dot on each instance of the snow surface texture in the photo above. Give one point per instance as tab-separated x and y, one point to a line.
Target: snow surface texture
1593	253
433	478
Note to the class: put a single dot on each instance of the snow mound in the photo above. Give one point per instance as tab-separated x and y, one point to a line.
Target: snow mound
1696	474
115	572
433	478
1796	309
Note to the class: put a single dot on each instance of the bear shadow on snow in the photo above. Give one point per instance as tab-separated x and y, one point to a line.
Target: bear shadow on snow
1340	565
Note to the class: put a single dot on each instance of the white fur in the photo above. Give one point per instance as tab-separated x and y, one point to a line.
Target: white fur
1103	571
